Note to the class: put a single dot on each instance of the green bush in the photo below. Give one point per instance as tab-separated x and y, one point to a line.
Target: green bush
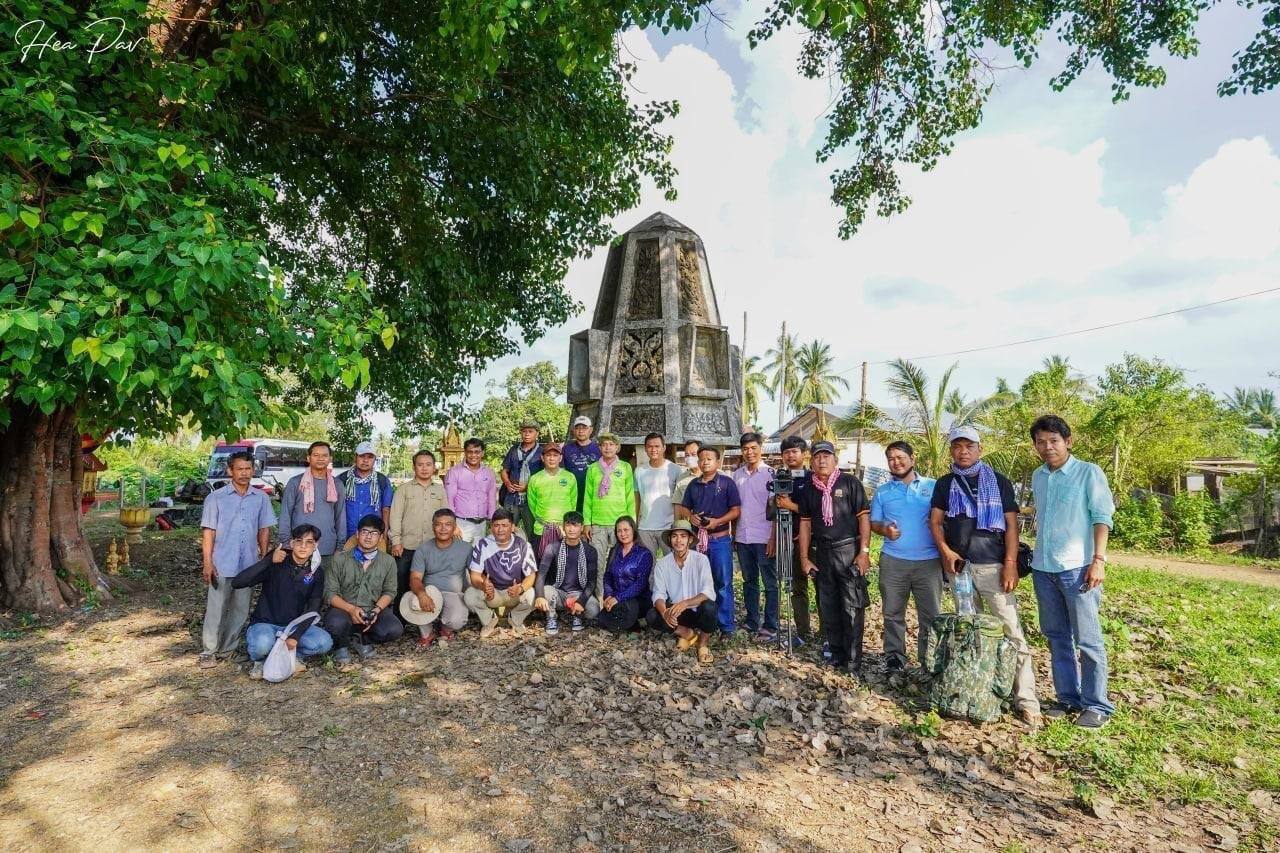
1139	523
1192	517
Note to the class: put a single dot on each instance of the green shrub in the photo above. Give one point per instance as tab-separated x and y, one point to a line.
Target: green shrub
1139	523
1191	520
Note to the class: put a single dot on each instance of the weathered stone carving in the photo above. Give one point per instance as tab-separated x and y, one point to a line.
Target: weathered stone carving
702	419
709	371
639	420
693	305
640	362
645	301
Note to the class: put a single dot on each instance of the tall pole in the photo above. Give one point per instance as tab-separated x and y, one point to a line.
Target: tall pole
862	408
784	356
742	371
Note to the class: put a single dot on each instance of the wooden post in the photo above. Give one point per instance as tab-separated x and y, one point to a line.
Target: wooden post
862	407
742	372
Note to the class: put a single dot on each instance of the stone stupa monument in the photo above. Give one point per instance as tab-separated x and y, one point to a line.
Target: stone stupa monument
657	358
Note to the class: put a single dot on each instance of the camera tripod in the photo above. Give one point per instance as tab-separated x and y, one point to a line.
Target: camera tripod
783	554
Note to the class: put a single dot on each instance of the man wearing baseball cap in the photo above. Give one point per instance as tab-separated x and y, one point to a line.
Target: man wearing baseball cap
973	517
580	453
367	491
552	492
835	518
522	461
611	494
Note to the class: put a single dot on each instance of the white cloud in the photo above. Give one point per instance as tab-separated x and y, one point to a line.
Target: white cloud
1012	234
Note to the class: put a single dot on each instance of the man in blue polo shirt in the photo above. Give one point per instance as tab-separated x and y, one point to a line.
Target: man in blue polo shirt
909	563
711	504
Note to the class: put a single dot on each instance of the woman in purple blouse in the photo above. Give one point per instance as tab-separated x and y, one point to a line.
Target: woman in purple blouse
626	579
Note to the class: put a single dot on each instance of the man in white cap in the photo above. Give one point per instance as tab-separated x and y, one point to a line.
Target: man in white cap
367	491
973	517
580	453
437	580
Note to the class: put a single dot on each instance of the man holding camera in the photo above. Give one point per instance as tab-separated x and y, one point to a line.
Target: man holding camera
359	587
711	505
793	450
834	517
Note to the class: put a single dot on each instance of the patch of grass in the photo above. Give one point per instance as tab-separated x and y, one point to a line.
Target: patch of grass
1195	675
330	731
925	725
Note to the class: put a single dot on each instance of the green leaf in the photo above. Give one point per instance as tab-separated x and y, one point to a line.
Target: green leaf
30	218
389	336
5	220
153	298
28	320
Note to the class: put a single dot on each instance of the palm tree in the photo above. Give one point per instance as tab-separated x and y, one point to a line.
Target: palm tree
781	370
755	384
816	383
1256	405
921	418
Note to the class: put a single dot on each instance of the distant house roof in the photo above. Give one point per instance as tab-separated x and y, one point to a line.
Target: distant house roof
804	423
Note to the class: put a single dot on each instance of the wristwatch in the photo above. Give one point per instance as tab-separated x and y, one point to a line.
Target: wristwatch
866	549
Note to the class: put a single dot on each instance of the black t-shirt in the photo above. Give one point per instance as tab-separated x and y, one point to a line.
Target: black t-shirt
984	546
848	501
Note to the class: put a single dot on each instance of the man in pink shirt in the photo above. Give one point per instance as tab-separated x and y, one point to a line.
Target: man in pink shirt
755	539
472	490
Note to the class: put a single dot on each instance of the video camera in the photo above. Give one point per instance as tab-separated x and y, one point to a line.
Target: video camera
783	483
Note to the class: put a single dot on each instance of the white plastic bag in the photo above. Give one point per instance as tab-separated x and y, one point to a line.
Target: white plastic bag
279	663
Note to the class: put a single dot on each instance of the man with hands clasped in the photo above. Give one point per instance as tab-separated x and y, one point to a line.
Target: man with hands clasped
360	586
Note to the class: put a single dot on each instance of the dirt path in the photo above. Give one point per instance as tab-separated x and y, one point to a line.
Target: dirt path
112	739
1258	575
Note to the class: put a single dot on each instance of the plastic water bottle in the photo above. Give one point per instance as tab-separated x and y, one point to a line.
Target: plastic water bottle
962	589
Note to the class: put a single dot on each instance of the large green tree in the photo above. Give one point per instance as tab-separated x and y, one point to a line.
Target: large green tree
535	392
816	382
300	186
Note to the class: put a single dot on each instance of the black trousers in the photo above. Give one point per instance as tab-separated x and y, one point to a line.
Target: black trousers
403	562
386	628
700	618
842	601
622	618
800	592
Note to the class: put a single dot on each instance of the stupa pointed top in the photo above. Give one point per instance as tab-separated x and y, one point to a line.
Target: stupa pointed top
661	222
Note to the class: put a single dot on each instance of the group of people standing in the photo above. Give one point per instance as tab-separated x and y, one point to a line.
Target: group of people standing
579	534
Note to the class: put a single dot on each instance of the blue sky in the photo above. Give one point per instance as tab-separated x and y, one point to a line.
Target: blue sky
1062	211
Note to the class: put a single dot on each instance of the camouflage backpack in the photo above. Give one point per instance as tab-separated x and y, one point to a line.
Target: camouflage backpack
971	666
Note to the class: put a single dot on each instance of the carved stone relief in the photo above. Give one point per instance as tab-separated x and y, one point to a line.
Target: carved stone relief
693	305
709	361
640	362
638	420
705	420
646	286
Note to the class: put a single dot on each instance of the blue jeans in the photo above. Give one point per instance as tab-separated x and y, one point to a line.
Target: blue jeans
1069	621
261	636
720	555
754	564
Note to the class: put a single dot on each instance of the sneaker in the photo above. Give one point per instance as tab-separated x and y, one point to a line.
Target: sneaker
1057	711
342	657
365	651
1092	719
826	651
577	624
207	661
553	624
256	671
487	631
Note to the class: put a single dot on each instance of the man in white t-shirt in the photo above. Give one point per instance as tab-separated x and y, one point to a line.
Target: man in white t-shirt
655	485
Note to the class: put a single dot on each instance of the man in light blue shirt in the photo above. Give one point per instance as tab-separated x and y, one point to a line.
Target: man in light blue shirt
1074	507
909	563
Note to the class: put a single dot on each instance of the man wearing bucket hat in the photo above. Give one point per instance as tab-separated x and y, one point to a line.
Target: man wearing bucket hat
522	461
437	579
974	520
684	593
835	518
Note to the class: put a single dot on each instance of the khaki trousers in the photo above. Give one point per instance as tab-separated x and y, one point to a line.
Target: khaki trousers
602	539
1004	606
225	612
652	539
517	608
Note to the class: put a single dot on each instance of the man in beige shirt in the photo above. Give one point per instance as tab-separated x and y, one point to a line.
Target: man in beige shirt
412	508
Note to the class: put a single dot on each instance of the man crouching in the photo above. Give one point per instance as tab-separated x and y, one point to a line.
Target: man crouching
684	593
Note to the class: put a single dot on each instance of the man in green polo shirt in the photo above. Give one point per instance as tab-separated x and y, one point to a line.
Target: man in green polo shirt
610	494
552	492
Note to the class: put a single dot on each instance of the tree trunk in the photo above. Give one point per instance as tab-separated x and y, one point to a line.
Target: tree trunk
40	529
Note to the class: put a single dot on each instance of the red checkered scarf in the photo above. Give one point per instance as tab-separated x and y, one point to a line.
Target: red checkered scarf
308	489
828	509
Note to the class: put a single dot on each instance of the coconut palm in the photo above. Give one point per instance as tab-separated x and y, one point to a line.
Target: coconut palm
921	417
816	383
782	372
755	384
1256	405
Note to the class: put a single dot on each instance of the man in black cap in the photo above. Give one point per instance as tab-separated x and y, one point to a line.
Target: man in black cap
835	517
